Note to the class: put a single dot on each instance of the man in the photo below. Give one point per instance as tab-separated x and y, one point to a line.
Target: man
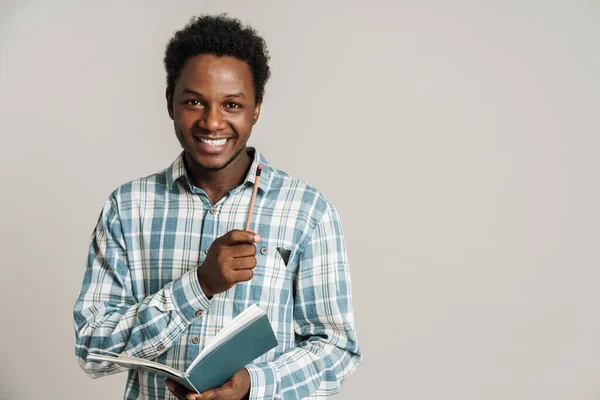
168	264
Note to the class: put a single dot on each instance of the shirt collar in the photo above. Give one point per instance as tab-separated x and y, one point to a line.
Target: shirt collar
177	170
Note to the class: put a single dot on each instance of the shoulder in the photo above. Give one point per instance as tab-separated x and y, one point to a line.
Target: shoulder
140	190
292	191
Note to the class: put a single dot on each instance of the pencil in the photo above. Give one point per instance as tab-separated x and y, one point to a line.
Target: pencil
254	189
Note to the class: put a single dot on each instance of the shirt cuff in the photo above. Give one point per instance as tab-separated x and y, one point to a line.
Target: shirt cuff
263	381
188	298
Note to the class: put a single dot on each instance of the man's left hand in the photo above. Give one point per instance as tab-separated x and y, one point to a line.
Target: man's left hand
236	388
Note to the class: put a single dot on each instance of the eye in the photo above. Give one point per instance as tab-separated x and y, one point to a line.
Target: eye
192	102
231	104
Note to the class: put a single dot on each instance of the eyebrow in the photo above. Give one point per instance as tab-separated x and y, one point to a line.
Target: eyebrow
239	94
190	91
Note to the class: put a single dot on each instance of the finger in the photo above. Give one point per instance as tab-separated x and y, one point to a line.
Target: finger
236	236
179	391
244	263
221	393
208	395
243	275
243	250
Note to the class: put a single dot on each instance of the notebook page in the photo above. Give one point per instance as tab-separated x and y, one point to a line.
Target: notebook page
132	361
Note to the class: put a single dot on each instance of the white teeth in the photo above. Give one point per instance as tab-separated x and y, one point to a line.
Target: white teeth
214	142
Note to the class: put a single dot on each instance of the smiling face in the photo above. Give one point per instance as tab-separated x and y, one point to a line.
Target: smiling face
213	109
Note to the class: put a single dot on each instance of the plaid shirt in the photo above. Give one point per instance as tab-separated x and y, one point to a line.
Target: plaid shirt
141	296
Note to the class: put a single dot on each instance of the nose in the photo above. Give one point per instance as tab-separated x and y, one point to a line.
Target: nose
212	120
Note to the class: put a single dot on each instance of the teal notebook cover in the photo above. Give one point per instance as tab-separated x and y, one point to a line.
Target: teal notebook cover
242	348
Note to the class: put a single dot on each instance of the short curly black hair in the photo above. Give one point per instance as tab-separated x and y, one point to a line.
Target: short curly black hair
223	36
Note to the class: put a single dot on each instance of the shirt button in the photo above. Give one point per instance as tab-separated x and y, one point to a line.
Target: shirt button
199	313
196	340
206	251
263	250
213	210
160	347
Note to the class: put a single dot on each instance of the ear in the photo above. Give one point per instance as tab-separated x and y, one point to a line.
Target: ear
256	112
170	104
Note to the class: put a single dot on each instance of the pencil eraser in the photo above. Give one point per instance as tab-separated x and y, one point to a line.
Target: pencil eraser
258	169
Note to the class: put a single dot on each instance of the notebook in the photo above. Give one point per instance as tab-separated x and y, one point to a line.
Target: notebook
242	340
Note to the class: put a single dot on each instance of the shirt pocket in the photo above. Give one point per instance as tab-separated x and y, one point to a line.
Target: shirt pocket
271	286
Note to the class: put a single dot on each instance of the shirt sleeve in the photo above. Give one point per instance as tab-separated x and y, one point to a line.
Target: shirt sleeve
327	349
107	316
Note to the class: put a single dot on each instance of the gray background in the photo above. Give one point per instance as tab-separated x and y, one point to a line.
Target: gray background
458	140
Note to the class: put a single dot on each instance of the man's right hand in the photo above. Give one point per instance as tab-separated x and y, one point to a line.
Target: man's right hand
230	260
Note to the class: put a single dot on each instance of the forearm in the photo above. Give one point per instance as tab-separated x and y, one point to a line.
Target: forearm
145	329
316	367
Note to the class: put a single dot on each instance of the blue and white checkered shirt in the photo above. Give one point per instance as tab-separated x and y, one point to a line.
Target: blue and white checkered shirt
141	296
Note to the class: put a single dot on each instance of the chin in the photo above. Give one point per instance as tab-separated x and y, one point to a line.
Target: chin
208	162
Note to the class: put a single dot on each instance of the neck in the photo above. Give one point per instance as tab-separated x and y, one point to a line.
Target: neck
217	183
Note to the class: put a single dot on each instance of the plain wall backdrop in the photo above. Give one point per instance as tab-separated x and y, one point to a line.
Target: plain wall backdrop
459	141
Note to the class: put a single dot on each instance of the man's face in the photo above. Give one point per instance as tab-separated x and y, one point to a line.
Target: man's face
213	98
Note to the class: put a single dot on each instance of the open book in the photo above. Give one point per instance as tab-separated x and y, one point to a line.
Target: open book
245	338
